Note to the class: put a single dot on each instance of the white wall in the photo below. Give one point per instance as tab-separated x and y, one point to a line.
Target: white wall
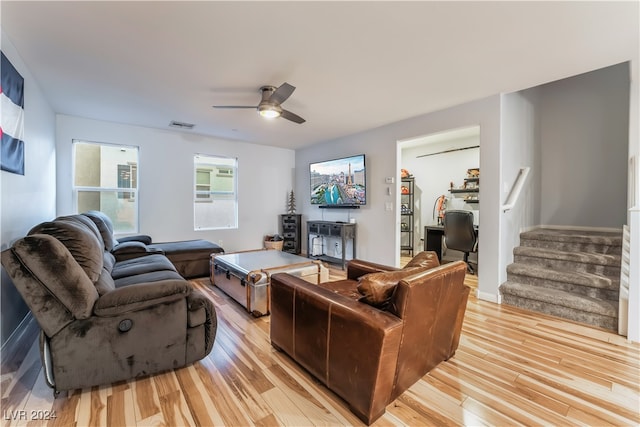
520	147
166	180
376	229
30	198
584	136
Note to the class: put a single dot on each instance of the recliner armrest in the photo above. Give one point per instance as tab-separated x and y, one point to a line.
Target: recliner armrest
357	268
133	249
142	238
140	296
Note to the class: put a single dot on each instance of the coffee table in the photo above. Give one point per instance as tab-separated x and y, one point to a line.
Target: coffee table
246	276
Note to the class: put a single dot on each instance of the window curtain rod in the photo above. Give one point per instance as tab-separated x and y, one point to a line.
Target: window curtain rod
447	151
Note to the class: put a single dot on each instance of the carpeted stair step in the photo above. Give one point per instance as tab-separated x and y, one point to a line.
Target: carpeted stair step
601	242
602	264
585	284
579	308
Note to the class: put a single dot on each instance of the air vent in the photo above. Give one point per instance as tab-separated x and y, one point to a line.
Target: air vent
181	125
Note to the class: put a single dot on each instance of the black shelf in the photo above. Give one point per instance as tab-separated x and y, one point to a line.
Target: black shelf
339	206
464	190
327	258
473	188
407	200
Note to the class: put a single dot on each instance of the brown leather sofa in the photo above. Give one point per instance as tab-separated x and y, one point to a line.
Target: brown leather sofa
104	319
365	344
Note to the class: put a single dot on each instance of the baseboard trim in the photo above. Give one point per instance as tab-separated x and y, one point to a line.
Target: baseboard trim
529	228
17	346
485	296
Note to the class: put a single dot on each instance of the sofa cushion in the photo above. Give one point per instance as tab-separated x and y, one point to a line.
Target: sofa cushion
84	221
186	250
79	240
109	261
190	257
424	259
377	288
105	283
141	265
104	224
143	296
152	276
58	279
132	249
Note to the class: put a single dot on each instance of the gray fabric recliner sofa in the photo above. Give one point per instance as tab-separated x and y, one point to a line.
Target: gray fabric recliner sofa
103	319
191	258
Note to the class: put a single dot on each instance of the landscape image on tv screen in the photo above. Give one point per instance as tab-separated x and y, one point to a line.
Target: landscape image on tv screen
339	182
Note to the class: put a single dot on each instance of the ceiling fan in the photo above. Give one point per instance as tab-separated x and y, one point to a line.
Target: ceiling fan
270	105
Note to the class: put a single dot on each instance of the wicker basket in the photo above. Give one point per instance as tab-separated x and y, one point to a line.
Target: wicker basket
273	245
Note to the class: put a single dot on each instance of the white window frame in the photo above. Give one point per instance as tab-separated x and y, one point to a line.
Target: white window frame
223	167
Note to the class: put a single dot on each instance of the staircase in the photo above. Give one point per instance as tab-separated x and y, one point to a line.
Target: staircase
567	273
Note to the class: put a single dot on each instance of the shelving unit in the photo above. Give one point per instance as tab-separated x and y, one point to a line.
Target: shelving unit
290	228
341	234
407	207
471	187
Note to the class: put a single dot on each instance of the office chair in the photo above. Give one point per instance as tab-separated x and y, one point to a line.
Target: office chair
459	233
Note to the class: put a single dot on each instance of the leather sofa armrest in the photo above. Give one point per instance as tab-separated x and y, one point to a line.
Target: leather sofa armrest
142	238
133	249
140	296
350	346
285	288
357	268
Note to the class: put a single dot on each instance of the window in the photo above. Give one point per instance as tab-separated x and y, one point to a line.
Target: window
215	192
127	178
105	178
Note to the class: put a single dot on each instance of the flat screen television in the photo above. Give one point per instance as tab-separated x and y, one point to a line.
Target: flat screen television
339	183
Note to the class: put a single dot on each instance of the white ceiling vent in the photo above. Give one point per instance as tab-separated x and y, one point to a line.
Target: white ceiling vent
181	125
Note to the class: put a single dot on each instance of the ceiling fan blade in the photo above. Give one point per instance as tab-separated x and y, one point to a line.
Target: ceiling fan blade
234	106
291	116
282	93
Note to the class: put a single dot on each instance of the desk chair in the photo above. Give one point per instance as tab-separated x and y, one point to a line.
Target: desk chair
459	233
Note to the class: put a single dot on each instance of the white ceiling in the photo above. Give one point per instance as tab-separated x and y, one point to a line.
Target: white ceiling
356	65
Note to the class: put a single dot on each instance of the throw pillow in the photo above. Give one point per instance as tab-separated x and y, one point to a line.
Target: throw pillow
427	259
377	288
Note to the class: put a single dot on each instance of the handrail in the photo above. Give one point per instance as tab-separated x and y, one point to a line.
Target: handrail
514	195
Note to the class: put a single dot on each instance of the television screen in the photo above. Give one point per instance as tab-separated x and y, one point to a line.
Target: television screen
338	182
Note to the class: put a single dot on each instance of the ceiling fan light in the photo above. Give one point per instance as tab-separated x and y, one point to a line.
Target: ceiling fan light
269	114
269	111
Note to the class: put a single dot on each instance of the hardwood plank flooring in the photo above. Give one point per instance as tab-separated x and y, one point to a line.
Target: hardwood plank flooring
512	367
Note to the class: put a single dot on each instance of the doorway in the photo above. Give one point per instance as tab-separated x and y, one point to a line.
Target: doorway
438	172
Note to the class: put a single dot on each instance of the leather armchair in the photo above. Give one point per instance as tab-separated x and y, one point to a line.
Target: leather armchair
365	354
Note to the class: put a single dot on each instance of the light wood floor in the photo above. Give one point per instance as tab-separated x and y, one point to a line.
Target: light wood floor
512	368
